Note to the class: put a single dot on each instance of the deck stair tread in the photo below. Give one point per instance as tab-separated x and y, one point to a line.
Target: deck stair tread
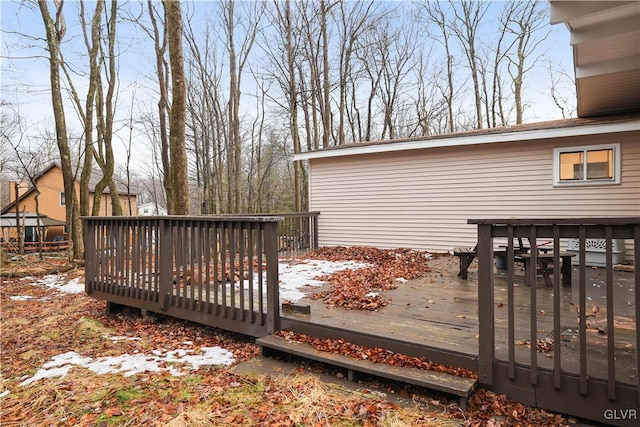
438	381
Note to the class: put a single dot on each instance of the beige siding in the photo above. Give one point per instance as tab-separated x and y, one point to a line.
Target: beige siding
423	198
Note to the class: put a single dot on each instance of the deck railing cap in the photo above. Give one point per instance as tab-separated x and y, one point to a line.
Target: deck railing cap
247	218
559	221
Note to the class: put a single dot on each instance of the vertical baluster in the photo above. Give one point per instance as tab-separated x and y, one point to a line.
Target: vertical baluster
217	265
259	251
232	266
226	250
156	257
184	240
207	265
557	340
582	297
511	342
143	252
196	262
273	295
193	236
611	355
127	279
241	261
251	269
533	287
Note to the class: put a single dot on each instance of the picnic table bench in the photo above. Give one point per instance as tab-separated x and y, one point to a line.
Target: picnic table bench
466	255
545	266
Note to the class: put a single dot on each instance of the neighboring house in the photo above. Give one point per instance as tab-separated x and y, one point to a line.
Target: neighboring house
151	209
30	222
51	200
419	193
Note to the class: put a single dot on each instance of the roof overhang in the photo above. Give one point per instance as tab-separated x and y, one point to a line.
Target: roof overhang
30	221
605	36
528	132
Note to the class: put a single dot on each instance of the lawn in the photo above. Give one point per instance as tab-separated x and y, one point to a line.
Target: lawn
66	362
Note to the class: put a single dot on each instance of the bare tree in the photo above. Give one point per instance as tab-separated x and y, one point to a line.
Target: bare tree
286	77
467	17
353	20
55	29
435	15
524	20
158	34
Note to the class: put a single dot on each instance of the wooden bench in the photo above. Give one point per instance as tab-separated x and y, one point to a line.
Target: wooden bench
545	262
439	381
466	257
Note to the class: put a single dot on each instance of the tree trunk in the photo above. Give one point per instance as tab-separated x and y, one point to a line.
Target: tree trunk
177	148
54	34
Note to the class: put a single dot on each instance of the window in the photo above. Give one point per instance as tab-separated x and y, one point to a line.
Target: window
597	164
62	199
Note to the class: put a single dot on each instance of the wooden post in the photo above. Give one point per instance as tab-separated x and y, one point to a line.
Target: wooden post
486	336
165	273
273	292
91	258
314	218
636	274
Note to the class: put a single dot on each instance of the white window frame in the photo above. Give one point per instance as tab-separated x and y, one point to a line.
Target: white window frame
585	181
63	199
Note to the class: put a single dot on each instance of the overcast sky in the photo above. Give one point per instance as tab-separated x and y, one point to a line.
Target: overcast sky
24	71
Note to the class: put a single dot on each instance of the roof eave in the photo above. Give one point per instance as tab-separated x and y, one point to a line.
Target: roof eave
467	140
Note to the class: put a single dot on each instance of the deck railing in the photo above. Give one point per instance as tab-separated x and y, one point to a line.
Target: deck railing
582	357
297	231
220	271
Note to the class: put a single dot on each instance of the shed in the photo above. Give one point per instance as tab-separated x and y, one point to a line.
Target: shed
419	192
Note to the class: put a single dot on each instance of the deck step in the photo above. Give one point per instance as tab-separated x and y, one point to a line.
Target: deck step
438	381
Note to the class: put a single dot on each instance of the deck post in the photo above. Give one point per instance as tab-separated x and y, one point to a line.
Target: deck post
273	292
636	275
90	256
486	336
165	268
314	220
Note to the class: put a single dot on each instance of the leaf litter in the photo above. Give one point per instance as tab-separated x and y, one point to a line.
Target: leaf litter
49	322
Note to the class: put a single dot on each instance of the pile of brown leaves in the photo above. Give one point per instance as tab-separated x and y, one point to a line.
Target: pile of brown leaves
358	289
489	409
374	355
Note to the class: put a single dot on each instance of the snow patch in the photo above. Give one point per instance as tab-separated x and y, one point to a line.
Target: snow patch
131	364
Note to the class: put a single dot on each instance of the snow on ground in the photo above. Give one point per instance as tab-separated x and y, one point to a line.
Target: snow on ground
174	361
58	282
297	276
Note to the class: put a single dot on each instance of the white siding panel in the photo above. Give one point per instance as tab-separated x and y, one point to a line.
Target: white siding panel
423	198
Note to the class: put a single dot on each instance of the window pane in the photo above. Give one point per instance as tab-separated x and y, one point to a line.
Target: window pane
600	164
571	166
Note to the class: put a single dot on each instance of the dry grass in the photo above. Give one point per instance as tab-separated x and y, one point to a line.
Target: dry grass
52	323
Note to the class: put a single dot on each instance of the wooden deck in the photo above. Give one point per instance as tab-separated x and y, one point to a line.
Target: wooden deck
440	311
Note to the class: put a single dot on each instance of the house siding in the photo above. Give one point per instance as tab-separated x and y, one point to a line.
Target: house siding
422	198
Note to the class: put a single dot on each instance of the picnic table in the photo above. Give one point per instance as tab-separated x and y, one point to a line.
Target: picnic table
545	257
545	266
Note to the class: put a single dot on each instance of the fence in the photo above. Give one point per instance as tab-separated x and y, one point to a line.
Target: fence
582	357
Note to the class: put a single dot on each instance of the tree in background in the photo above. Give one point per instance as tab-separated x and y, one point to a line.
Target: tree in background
55	30
177	148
